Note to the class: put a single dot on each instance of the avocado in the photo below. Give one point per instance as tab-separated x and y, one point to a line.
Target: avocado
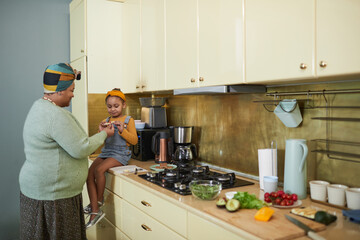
324	217
232	205
221	202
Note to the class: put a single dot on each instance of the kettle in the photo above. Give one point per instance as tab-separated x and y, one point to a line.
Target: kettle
295	175
162	147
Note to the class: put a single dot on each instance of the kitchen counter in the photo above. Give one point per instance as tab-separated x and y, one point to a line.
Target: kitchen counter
341	229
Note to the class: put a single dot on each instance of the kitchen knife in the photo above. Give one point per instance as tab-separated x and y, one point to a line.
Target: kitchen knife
310	232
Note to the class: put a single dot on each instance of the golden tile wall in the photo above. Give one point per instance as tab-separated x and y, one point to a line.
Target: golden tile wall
229	129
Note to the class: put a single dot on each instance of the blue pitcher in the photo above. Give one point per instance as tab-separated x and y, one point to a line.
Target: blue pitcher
295	175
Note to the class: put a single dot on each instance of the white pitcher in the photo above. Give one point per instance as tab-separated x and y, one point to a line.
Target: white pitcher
295	175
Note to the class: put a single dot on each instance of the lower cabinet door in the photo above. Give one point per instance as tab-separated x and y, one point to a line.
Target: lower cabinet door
138	225
112	208
104	230
199	228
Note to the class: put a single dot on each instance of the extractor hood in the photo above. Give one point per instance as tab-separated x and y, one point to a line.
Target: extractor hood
243	88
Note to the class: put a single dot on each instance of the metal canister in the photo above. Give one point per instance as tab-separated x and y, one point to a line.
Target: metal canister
183	135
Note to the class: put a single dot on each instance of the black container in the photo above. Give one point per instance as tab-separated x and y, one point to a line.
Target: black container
142	150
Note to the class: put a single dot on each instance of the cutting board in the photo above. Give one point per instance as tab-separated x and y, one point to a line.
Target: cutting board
278	227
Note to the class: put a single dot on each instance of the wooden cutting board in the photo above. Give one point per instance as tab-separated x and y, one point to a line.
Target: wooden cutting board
278	227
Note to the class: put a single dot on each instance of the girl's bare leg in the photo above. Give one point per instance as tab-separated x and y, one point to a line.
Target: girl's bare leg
101	180
91	184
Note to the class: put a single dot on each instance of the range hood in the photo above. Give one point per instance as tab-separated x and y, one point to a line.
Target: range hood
243	88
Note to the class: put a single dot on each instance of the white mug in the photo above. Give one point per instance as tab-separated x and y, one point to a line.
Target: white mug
336	194
353	198
270	184
318	190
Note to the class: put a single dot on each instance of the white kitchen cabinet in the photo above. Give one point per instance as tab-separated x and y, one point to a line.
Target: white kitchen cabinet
131	46
338	37
77	29
139	225
161	210
152	45
199	228
95	32
221	42
280	40
204	48
105	230
79	102
181	44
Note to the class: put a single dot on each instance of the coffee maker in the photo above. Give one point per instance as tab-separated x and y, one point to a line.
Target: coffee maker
153	113
185	152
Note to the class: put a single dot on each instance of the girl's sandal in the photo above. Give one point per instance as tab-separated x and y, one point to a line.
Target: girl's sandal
88	210
98	216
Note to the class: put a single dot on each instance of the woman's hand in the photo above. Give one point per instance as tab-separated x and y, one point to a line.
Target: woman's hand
109	130
120	125
103	125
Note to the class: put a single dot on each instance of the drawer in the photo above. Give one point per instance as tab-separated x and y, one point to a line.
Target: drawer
165	212
112	208
200	228
138	225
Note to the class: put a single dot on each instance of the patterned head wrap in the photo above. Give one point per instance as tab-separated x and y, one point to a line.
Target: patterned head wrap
58	77
117	93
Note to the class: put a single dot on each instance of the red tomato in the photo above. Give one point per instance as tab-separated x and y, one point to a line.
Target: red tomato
294	197
266	195
273	194
268	200
278	201
283	196
280	192
290	202
283	203
288	197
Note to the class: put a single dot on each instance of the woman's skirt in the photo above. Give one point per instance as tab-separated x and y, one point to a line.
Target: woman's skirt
59	219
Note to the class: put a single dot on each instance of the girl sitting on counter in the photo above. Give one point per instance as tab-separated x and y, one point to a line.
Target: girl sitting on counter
115	153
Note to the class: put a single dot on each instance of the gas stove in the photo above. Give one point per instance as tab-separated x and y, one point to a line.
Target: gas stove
178	180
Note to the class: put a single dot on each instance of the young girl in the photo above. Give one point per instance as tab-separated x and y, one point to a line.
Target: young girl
115	153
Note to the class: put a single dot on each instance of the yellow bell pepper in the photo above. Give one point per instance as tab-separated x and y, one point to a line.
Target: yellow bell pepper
264	214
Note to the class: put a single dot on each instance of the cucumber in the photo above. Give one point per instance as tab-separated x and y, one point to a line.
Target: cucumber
221	202
232	205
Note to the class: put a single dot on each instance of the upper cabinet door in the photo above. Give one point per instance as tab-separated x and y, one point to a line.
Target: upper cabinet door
130	81
77	30
338	37
279	40
152	45
181	44
104	45
221	42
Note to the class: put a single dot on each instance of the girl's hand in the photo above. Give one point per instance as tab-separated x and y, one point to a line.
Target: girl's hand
120	126
102	126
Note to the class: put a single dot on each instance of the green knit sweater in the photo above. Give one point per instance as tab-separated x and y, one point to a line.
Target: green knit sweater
56	150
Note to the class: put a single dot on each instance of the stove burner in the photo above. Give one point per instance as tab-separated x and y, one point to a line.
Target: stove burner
177	180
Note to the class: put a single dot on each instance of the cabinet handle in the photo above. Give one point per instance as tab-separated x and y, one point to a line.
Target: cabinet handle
146	204
323	64
303	66
146	228
137	86
192	80
143	86
82	50
201	79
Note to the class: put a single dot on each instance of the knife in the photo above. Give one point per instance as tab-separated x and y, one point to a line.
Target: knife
310	232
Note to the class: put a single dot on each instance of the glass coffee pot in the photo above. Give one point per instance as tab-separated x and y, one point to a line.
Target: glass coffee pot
185	153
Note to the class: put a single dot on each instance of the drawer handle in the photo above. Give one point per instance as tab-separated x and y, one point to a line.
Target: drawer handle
303	66
146	228
201	79
137	86
323	64
192	80
146	204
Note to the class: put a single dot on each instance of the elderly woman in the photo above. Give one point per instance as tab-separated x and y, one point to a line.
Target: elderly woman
56	165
